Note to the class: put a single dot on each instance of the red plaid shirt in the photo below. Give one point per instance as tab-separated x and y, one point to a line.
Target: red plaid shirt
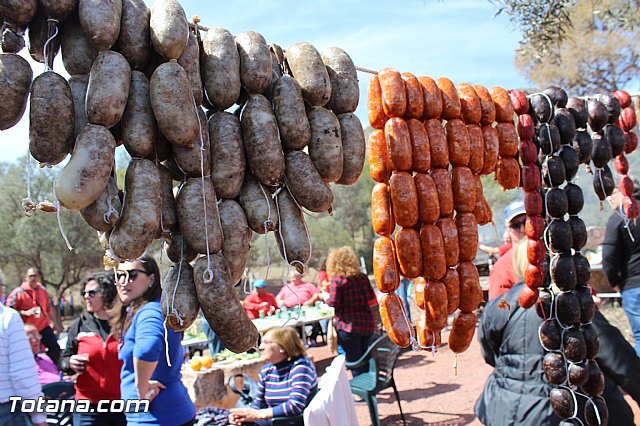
350	297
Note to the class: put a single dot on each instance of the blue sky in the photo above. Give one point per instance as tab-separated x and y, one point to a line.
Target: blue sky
458	39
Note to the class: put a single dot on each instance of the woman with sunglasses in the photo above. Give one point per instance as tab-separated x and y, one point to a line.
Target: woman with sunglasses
152	354
92	352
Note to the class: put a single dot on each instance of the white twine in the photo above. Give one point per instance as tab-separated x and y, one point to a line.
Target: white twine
58	208
49	40
207	275
266	224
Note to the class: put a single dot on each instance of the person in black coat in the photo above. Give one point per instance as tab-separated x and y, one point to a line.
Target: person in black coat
516	392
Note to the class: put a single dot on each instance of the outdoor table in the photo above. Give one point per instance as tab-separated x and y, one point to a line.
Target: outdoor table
308	317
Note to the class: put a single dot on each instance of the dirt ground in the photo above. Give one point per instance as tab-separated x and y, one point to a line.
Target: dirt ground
431	393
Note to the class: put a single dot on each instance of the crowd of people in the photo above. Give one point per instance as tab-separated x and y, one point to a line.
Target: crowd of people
119	348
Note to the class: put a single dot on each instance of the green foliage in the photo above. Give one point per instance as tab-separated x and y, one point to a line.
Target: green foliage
36	241
547	24
608	59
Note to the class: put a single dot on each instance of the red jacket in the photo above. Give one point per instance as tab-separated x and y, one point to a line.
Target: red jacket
101	379
24	297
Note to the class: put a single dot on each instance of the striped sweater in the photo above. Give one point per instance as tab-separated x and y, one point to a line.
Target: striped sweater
286	387
18	376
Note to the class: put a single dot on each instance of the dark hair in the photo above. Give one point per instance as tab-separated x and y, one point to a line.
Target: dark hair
107	286
122	315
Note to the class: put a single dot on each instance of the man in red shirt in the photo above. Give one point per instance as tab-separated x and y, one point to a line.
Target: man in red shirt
260	300
31	300
503	275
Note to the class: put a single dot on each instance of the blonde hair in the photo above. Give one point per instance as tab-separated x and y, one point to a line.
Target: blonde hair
343	262
520	260
287	338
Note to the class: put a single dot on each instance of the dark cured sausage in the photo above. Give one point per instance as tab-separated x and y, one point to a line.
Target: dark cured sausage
487	105
415	98
464	189
385	269
470	103
445	193
409	252
464	326
470	291
507	139
378	157
451	282
394	97
420	146
458	142
428	203
450	240
396	133
375	112
467	236
435	266
435	299
491	147
404	199
432	98
394	320
438	144
450	101
381	213
476	147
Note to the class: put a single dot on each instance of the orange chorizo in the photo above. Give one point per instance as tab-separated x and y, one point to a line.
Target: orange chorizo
528	297
428	203
435	300
394	96
534	276
470	103
432	98
434	264
458	142
528	151
502	102
476	147
533	203
508	173
409	252
449	232
534	227
462	331
429	339
486	104
385	270
394	320
464	189
487	211
375	112
451	282
507	140
378	157
531	178
491	147
415	98
438	144
467	236
396	133
418	291
445	194
404	199
536	251
381	212
470	291
450	101
420	147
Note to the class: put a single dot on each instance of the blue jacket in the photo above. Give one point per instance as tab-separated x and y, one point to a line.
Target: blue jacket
145	340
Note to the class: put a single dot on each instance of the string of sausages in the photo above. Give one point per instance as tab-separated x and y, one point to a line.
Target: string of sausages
432	140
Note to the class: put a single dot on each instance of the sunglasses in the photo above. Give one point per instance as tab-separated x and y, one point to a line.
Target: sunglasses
128	275
91	293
